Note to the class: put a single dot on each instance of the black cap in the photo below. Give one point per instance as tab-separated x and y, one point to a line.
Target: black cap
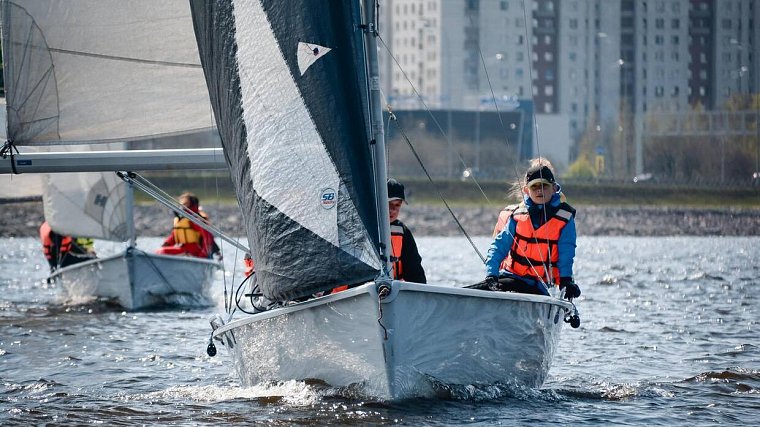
539	174
395	190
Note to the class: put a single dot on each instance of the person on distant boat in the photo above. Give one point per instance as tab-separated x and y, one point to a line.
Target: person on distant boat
188	238
407	262
62	251
536	246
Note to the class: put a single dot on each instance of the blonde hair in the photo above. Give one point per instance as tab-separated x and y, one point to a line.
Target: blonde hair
516	188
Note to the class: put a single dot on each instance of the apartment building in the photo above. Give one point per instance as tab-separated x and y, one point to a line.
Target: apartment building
605	64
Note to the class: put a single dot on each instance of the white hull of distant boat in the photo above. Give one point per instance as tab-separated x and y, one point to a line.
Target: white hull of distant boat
418	339
137	280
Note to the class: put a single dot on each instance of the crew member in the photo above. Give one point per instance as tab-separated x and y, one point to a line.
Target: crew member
188	238
407	263
537	245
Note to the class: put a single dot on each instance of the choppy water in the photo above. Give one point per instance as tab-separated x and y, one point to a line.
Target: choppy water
670	336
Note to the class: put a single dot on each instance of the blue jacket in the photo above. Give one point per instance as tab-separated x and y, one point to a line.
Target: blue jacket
501	245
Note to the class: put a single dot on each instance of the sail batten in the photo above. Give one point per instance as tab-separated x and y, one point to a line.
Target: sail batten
295	131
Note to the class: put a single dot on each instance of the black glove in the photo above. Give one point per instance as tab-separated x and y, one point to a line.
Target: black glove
571	289
492	282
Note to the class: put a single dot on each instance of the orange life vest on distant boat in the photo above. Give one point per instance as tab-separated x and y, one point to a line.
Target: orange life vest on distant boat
397	241
48	246
533	251
184	231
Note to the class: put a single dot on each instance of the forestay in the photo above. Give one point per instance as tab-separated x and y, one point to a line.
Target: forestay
293	119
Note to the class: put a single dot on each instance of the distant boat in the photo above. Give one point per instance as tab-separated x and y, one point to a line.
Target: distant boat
83	76
296	97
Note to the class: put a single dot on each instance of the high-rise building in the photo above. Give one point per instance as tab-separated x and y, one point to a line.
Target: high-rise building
605	64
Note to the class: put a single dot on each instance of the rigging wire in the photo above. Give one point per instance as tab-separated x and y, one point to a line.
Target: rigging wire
165	199
424	169
550	278
506	139
424	104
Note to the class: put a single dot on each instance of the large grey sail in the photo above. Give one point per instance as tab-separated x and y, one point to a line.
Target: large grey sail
89	71
293	122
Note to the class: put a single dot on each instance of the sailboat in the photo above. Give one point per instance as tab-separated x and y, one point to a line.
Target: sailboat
83	79
295	92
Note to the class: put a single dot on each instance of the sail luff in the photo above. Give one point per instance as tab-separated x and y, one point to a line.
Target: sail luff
296	136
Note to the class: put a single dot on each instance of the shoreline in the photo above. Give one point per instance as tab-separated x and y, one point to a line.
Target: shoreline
23	220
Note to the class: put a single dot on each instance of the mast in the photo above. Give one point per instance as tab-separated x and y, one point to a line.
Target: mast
378	137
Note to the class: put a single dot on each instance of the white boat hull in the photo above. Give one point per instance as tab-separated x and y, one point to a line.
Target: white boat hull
136	280
430	336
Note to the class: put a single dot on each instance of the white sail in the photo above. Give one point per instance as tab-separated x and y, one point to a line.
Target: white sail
101	70
88	76
86	205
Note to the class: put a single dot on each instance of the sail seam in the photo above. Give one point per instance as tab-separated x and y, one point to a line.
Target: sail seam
124	58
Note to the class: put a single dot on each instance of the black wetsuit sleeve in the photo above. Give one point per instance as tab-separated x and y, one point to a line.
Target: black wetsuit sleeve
411	259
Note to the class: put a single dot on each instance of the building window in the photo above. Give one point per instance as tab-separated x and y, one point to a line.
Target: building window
549	90
675	23
573	23
548	108
504	5
659	23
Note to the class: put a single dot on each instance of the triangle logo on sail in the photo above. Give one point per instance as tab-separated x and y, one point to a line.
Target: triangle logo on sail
308	54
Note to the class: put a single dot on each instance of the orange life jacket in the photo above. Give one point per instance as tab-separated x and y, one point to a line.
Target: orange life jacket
185	232
397	241
503	219
501	224
49	246
534	250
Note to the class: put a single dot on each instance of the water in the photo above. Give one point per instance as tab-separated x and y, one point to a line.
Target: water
669	336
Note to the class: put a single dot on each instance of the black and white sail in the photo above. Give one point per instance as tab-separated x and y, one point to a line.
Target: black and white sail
288	87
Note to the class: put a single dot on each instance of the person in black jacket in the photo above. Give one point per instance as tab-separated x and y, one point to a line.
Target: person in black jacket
407	263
